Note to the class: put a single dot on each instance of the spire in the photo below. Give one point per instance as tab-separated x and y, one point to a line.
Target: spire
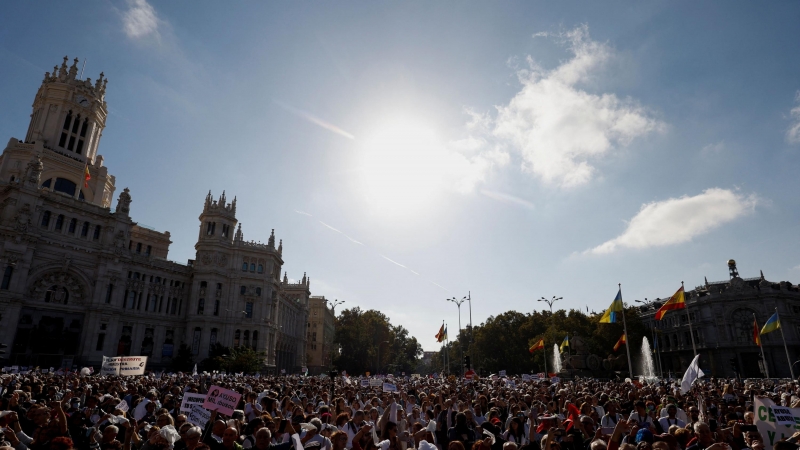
73	69
233	205
222	199
62	72
271	241
280	247
706	279
285	277
99	83
762	274
308	282
304	279
239	235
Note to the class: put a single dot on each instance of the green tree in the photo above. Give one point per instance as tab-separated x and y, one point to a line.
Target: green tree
183	360
242	359
215	359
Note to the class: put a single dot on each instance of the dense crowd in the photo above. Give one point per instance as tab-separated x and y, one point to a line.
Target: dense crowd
51	412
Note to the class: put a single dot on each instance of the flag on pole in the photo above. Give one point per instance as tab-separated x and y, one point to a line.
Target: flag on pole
613	314
537	346
564	344
620	342
445	333
772	324
86	177
756	334
677	301
440	335
692	374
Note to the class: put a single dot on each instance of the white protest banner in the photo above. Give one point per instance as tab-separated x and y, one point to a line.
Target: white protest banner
389	387
123	365
132	365
375	382
770	430
123	406
199	416
110	366
502	373
364	382
526	377
783	415
222	400
189	400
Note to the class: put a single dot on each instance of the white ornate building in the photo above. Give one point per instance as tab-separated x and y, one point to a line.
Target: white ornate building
81	280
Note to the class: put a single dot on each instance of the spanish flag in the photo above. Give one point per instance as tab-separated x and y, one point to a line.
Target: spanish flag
440	335
564	344
86	177
677	301
620	342
613	314
773	323
756	334
537	346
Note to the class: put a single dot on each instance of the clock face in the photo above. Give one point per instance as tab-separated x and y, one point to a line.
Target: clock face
83	101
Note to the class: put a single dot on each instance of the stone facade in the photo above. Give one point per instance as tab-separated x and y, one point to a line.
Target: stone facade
319	335
82	280
722	316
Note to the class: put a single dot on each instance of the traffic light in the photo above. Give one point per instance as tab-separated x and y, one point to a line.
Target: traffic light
467	362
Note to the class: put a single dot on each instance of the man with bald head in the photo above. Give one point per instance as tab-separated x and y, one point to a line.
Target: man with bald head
264	439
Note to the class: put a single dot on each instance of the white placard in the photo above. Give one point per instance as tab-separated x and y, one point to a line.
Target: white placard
199	416
389	387
189	400
770	430
783	415
502	373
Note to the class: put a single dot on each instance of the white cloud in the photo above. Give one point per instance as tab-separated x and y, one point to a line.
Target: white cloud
793	133
712	149
140	20
678	220
558	128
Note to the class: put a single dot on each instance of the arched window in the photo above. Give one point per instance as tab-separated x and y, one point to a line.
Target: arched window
56	294
244	266
59	222
236	335
246	338
66	186
46	184
255	340
260	268
7	277
72	224
46	219
252	267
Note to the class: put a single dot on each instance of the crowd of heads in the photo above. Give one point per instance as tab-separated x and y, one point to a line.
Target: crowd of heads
56	412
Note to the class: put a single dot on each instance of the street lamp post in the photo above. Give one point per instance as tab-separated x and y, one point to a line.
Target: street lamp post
333	304
550	302
460	344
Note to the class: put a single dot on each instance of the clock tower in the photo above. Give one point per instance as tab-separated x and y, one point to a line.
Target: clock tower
68	118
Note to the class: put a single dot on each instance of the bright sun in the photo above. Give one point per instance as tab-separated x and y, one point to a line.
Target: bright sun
402	167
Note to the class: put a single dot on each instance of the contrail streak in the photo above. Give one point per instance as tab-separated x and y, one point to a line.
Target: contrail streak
325	224
303	213
394	262
507	198
308	117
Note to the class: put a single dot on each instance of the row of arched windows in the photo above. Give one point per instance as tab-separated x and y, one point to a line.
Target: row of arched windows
252	267
73	133
243	339
71	225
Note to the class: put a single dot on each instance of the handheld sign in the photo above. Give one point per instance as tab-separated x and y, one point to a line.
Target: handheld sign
189	400
375	382
221	400
502	373
526	377
389	387
783	415
364	382
199	416
766	419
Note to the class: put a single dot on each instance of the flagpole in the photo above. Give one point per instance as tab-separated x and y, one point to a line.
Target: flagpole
544	347
761	344
791	370
625	330
689	318
447	348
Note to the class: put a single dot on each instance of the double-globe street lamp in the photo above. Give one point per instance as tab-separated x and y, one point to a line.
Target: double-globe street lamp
461	344
333	304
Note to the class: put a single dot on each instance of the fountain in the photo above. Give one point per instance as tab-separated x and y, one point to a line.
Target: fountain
556	359
648	372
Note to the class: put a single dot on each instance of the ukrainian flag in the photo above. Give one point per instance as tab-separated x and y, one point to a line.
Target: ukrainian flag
564	344
772	324
614	312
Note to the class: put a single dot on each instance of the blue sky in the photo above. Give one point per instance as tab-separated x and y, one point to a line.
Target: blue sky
407	152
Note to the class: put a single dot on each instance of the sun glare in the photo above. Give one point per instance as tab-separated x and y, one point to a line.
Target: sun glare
402	167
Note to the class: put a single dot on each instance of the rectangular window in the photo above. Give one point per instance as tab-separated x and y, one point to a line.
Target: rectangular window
149	250
101	340
96	235
174	306
46	219
201	305
248	310
85	229
109	293
243	290
196	341
216	307
131	300
138	247
160	303
7	278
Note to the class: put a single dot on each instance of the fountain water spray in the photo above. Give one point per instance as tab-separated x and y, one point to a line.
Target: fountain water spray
556	359
648	372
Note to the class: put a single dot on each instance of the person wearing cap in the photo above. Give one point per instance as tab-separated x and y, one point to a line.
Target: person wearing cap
314	435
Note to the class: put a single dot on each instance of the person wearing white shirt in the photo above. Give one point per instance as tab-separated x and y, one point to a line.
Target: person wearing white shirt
671	419
680	414
611	418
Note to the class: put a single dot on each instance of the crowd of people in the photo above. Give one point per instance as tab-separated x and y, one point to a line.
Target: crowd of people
41	411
